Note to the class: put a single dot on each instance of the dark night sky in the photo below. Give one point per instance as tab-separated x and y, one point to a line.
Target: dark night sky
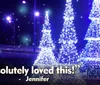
25	21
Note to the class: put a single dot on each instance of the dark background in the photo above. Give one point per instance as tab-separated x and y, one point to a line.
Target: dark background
27	21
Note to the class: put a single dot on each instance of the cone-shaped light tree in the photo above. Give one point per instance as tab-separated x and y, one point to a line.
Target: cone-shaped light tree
46	56
68	53
91	53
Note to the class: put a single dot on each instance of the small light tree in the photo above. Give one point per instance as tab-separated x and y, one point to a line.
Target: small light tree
46	56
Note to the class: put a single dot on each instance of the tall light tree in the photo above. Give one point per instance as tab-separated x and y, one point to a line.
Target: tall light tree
92	49
68	53
46	56
90	56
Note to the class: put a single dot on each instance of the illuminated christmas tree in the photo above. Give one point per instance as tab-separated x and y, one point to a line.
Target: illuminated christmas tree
90	56
91	53
68	53
46	56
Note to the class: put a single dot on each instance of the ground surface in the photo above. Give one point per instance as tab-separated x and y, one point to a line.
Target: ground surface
24	56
